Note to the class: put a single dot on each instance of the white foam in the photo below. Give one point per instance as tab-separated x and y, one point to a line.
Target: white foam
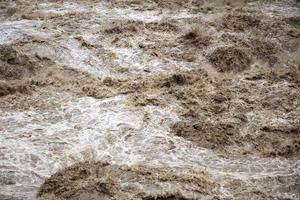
13	30
36	143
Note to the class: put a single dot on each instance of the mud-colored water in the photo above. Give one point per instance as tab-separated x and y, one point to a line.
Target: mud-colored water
61	120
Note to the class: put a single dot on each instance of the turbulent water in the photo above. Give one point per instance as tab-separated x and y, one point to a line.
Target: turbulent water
52	128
